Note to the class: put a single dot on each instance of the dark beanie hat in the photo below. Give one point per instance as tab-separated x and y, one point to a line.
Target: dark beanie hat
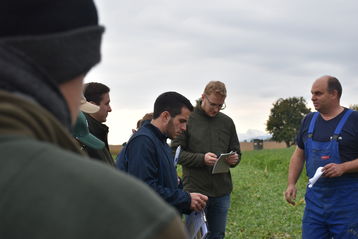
62	37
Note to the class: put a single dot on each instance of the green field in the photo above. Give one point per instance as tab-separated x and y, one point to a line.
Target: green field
258	208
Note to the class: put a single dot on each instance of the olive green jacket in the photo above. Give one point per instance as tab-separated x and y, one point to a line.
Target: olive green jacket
206	134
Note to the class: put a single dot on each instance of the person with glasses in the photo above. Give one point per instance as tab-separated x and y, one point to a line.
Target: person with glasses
209	133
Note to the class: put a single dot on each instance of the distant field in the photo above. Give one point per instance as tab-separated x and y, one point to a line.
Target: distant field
258	209
115	149
245	146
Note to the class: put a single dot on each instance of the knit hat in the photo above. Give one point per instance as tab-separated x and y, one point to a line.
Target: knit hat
62	37
81	133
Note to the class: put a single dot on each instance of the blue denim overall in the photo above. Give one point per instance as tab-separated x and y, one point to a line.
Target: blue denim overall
332	203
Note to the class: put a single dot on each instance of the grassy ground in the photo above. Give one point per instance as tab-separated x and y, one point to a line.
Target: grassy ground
258	209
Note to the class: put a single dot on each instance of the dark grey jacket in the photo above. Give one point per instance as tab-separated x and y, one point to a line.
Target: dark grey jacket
101	132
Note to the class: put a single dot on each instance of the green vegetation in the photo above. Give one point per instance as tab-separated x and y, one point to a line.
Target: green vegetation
285	119
354	107
258	209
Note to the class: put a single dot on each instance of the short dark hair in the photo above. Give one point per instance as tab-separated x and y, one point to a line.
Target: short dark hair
172	102
94	91
334	84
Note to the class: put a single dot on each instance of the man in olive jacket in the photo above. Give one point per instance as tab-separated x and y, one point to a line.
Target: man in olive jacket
48	189
209	134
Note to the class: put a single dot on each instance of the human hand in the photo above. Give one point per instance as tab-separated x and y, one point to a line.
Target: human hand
198	201
290	194
233	159
333	170
210	159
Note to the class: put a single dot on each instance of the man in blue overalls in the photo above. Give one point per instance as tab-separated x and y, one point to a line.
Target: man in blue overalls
329	139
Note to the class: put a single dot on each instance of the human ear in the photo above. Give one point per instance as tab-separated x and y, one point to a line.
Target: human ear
202	97
166	116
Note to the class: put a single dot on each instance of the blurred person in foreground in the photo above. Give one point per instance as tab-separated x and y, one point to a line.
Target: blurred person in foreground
209	134
98	94
148	157
48	189
328	143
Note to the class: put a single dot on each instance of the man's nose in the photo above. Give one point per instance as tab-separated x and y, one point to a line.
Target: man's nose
183	128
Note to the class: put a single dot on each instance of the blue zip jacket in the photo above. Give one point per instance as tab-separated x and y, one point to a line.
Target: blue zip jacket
148	157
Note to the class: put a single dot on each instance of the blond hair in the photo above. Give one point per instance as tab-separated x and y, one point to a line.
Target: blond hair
216	87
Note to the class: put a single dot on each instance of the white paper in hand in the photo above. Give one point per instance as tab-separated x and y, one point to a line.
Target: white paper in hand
176	157
196	225
221	166
315	177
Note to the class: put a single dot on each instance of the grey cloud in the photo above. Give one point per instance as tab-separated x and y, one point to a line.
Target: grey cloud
262	50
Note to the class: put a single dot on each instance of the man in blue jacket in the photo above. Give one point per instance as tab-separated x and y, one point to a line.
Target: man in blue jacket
148	157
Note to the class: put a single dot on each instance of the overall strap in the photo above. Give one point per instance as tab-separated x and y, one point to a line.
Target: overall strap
312	124
342	122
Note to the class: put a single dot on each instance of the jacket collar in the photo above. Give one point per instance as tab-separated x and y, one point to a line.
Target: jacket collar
162	137
98	129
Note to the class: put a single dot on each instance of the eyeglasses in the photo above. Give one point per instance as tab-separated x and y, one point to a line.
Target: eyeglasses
220	107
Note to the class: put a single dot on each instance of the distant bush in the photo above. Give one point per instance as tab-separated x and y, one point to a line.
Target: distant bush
354	107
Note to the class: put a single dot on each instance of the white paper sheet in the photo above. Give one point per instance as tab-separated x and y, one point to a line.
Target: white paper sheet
315	177
221	166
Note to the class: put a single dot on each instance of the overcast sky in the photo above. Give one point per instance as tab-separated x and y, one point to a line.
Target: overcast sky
261	50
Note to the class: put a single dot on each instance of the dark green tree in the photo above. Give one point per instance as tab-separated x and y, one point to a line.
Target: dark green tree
354	107
285	119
